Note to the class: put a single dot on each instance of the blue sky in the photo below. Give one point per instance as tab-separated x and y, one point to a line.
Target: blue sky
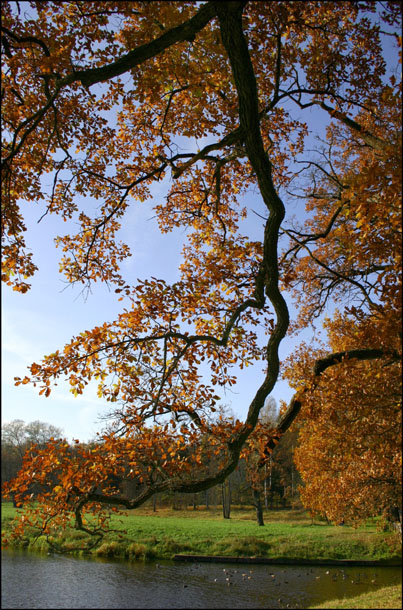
46	317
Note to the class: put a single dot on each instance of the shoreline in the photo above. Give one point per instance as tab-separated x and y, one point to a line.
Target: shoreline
288	538
288	561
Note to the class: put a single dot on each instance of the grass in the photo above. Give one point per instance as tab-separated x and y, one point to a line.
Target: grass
287	534
387	597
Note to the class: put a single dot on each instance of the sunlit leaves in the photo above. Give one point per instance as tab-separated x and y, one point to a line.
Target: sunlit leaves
349	451
89	131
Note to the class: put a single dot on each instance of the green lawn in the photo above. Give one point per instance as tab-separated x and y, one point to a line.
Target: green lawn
387	597
286	534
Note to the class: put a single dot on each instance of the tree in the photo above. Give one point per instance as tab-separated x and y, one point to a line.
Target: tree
13	446
349	449
255	455
244	75
350	443
13	434
282	480
17	437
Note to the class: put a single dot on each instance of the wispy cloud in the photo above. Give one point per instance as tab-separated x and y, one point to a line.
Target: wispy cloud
27	336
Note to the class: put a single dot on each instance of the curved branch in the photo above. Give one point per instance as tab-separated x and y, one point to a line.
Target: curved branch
369	138
230	17
319	367
33	39
192	486
359	354
91	76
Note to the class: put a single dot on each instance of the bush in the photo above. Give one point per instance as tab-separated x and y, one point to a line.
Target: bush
109	549
136	550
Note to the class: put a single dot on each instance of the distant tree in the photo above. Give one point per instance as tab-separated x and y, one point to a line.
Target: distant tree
39	432
17	437
14	436
284	478
13	447
269	414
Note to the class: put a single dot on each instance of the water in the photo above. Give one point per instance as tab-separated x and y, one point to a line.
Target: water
37	581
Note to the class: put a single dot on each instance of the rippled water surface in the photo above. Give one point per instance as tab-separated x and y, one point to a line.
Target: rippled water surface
37	581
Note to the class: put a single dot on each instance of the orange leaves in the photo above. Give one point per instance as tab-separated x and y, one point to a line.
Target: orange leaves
350	441
23	381
179	116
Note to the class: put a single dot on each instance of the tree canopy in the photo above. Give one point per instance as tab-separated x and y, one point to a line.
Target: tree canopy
100	96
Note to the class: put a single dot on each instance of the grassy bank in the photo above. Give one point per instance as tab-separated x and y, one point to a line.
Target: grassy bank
286	534
387	597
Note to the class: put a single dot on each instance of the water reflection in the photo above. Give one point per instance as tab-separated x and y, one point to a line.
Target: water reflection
36	581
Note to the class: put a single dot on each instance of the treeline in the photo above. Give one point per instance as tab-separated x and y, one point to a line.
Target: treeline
278	484
17	438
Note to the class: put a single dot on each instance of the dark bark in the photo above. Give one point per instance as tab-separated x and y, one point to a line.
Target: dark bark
226	498
359	354
184	31
368	137
257	501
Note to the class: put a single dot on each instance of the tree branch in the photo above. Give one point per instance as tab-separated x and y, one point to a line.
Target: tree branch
184	31
319	367
369	138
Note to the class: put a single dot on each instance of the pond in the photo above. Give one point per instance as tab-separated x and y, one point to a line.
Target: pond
57	581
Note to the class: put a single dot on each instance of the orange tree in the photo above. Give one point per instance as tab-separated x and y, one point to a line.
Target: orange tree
349	449
350	441
245	76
